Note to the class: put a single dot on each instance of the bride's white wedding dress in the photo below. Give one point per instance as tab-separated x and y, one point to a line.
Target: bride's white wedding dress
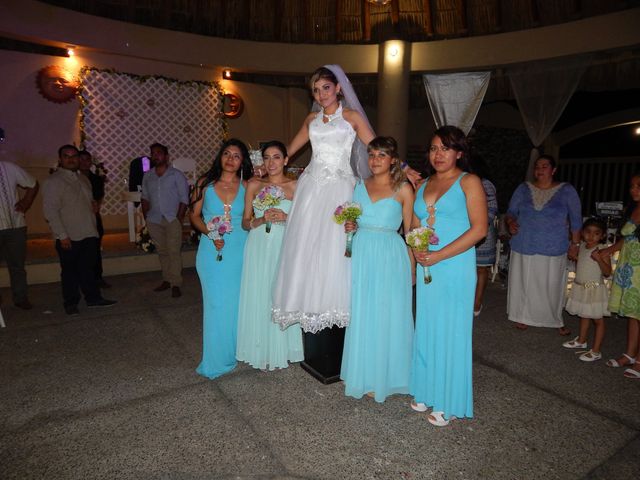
313	285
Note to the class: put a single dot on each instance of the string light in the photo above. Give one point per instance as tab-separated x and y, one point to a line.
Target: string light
226	74
71	51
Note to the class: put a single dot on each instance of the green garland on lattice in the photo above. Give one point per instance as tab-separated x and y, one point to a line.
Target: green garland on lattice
200	84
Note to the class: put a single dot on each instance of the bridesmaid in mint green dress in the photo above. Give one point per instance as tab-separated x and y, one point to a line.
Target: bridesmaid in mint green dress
221	191
261	343
453	202
378	342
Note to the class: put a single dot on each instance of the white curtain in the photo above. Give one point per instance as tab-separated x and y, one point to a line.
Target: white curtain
455	98
542	90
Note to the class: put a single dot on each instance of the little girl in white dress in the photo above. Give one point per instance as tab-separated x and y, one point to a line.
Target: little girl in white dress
589	296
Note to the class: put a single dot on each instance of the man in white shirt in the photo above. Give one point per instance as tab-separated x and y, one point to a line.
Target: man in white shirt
13	229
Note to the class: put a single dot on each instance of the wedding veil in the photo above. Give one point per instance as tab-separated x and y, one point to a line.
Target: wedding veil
359	155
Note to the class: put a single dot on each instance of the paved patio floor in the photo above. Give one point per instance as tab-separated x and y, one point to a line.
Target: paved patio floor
113	394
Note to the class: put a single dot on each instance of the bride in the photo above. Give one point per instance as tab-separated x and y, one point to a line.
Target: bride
313	285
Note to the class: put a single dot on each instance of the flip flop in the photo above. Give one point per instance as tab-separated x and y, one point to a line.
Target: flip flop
632	373
437	419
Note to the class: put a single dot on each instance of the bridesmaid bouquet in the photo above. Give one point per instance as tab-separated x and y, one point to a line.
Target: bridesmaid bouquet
347	212
419	239
257	162
217	227
270	196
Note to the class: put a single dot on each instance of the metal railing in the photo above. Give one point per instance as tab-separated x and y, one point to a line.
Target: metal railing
598	179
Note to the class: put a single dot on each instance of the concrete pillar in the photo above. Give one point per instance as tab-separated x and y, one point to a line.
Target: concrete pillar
394	68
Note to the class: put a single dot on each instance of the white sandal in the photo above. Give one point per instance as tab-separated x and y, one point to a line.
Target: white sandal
590	356
437	419
631	373
419	407
574	344
613	362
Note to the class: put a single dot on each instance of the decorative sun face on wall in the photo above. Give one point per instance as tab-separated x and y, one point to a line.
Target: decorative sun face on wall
57	84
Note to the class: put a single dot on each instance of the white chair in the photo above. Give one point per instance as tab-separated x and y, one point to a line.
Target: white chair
134	215
187	166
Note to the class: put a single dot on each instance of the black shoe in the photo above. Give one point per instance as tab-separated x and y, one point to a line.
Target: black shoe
24	304
72	310
103	302
175	292
162	287
103	284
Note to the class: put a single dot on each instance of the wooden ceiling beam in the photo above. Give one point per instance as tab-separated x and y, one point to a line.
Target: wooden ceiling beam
462	8
277	20
339	21
395	12
498	15
428	19
366	21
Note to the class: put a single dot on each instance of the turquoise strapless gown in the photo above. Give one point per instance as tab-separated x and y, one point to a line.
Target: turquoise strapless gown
220	287
378	341
262	343
441	372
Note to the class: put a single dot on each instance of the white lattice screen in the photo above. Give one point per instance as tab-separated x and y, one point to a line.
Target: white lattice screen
124	114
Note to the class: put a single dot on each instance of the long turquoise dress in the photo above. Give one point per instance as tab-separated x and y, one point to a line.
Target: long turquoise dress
220	281
442	354
262	343
378	341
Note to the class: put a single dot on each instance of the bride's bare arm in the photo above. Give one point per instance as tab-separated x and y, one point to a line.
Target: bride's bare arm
365	134
302	137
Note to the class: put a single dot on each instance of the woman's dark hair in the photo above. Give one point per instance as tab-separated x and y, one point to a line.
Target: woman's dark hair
550	158
455	139
215	172
479	166
598	223
274	143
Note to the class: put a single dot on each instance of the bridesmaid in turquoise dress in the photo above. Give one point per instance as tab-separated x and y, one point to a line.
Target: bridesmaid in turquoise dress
453	202
261	343
378	342
221	191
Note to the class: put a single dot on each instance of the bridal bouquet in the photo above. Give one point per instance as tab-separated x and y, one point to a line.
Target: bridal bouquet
217	227
270	196
347	212
419	239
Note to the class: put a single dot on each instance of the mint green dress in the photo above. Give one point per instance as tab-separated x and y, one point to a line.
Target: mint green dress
625	288
261	343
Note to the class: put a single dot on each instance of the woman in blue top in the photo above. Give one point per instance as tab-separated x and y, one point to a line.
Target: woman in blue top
540	217
220	192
